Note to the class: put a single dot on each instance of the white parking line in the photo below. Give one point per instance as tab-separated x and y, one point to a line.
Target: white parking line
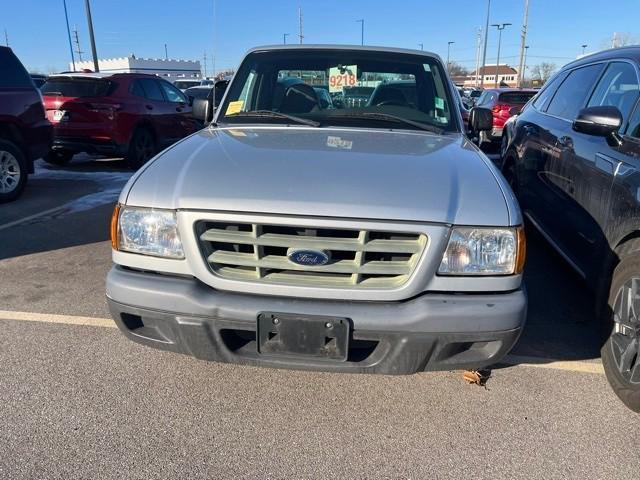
515	360
52	318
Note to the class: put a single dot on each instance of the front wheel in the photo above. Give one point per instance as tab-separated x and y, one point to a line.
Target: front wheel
621	352
13	171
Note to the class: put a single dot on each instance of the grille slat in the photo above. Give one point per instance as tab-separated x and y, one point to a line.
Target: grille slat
331	243
282	263
358	258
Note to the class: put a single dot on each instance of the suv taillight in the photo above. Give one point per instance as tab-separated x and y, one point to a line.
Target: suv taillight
501	107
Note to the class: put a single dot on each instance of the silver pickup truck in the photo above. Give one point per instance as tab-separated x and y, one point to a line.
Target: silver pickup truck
296	233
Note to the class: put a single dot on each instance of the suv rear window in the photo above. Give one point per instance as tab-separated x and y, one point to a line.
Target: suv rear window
12	73
516	97
78	87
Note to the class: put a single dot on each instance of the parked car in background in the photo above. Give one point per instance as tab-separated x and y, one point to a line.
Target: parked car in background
503	103
124	114
473	96
25	133
206	92
38	79
574	162
185	83
373	238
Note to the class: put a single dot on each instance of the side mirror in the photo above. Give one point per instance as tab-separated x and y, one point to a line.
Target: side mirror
602	121
480	119
202	109
514	111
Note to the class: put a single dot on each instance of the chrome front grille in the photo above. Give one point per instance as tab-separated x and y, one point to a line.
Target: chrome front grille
358	258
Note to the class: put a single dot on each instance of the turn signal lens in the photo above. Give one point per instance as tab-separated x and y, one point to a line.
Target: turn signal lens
521	256
114	227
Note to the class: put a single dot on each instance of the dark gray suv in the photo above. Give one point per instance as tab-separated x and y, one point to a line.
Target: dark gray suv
574	163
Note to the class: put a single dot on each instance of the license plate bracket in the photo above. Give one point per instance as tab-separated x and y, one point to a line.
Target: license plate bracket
313	336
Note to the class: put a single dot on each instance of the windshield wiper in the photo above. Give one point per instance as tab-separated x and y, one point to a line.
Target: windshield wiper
272	114
395	118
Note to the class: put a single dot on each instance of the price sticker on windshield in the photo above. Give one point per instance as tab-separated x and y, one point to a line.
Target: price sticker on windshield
342	76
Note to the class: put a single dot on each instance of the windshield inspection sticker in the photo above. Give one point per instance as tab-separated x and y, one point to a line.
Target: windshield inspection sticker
234	107
439	103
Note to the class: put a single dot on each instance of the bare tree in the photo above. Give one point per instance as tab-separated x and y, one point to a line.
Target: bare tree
543	71
619	39
225	73
457	70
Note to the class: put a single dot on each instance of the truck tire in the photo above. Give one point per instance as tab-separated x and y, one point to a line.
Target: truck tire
13	171
621	352
58	157
141	148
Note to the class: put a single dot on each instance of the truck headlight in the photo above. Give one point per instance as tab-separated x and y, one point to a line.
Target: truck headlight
146	231
484	251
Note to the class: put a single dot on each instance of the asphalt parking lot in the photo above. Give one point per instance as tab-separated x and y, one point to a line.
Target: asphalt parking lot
78	400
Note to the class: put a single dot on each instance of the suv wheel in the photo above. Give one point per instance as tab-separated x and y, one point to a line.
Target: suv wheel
141	149
621	352
13	171
58	157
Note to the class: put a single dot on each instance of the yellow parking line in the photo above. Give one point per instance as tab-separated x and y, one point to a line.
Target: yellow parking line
515	360
541	362
52	318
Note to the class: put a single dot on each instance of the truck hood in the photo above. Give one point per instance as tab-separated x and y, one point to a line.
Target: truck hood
329	172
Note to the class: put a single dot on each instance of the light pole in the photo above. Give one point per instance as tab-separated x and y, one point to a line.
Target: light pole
284	38
421	46
484	49
91	37
500	27
66	16
361	21
448	55
524	63
583	47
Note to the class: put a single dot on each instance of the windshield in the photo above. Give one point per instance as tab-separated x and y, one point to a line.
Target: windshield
366	89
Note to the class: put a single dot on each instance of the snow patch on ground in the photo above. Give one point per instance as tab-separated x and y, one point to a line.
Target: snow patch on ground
109	183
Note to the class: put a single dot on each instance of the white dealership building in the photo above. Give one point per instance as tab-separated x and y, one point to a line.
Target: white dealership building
169	69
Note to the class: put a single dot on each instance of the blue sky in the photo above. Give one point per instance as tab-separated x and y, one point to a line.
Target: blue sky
557	28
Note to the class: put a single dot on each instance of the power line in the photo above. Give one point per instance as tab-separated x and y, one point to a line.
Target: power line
66	17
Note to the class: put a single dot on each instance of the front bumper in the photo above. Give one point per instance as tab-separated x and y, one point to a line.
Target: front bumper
429	332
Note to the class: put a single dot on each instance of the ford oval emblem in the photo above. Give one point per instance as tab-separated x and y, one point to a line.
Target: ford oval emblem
308	258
